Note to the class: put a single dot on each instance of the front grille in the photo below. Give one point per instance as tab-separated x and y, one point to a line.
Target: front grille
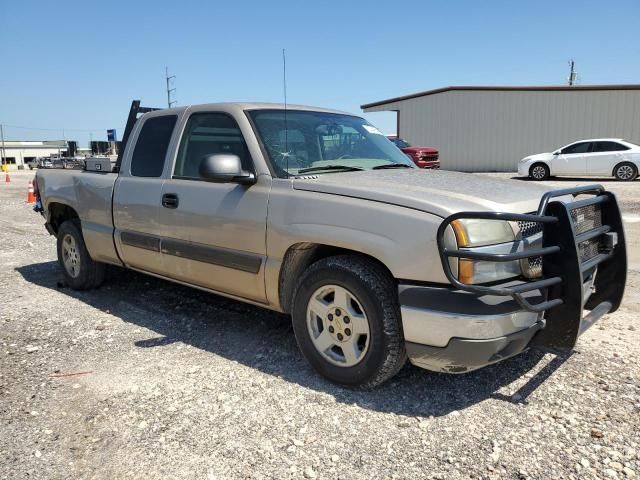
529	229
585	219
588	249
532	266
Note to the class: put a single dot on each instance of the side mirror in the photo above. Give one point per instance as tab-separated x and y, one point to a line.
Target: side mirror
225	168
557	152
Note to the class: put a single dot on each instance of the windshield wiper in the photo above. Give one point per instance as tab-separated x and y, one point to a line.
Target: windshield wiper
344	168
392	165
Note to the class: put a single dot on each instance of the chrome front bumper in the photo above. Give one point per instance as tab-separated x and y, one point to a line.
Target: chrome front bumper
455	332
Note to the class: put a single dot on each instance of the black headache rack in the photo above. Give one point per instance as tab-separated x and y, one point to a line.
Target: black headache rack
134	111
577	237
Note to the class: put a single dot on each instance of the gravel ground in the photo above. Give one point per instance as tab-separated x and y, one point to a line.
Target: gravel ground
176	383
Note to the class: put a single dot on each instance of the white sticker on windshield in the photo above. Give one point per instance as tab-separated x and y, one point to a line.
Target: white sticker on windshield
372	129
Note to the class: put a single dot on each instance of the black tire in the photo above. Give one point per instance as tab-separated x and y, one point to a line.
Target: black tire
625	172
90	273
539	171
376	291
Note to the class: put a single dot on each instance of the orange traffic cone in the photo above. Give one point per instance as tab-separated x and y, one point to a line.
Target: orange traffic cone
7	178
31	194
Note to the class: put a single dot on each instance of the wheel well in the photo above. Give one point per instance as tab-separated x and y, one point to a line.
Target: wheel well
613	172
539	163
60	213
299	257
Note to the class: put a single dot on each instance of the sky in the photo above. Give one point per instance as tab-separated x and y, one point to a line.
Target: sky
69	69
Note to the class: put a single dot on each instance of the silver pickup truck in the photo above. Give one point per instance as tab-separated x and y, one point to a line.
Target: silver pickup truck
315	213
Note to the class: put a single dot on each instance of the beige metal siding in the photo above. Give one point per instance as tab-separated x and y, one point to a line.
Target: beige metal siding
491	130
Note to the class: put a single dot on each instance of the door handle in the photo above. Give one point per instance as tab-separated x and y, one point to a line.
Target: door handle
170	200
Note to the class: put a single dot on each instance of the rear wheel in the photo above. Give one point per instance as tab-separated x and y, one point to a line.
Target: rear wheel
81	272
539	171
347	323
625	172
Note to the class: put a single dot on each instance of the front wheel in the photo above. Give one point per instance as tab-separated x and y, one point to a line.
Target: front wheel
539	171
81	272
347	323
625	172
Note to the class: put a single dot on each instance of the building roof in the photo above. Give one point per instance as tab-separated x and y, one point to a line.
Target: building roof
505	89
35	144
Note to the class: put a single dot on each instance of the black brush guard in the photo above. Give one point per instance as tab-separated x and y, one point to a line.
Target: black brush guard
563	272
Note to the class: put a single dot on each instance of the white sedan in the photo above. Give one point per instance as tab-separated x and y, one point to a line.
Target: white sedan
601	157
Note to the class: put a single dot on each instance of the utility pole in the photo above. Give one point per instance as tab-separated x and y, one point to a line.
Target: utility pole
572	73
169	89
4	155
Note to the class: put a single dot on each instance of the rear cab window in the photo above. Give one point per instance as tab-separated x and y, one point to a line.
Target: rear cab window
151	147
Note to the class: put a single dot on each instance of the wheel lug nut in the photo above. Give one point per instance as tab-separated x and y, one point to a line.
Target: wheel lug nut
330	317
340	337
346	319
331	330
347	331
338	312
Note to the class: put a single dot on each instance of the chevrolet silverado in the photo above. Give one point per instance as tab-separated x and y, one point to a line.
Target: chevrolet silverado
313	212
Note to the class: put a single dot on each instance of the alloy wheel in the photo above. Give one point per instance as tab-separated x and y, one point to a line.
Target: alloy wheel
539	172
70	256
625	172
338	325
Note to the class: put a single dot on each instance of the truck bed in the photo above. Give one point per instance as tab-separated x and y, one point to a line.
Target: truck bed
90	194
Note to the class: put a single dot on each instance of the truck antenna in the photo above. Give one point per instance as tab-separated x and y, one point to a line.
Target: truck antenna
284	88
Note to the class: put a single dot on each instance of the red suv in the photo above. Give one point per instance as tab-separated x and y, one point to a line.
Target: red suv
424	157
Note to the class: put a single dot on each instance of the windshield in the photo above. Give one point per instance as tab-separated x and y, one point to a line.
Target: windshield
400	143
323	143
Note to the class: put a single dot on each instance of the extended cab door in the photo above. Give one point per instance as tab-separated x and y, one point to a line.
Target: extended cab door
138	191
572	160
214	235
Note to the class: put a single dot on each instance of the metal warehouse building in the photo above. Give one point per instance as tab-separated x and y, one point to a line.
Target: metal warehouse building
484	129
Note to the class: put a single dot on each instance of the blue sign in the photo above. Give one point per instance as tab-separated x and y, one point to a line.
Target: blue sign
111	135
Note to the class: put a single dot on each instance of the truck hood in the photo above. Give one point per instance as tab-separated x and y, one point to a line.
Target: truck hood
419	150
438	192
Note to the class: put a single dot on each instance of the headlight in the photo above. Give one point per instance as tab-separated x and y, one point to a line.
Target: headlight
474	232
487	236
